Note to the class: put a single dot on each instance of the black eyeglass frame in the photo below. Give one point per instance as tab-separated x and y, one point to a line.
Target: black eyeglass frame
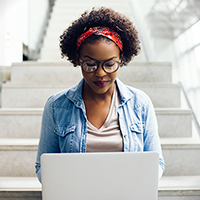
99	62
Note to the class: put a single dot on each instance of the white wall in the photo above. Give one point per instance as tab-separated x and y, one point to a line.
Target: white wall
140	9
183	52
187	64
21	22
14	25
2	33
157	49
38	11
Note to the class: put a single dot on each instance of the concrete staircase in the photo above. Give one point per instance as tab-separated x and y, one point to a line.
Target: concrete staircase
23	99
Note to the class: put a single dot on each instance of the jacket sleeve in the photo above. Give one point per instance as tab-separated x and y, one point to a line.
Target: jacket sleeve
48	140
151	136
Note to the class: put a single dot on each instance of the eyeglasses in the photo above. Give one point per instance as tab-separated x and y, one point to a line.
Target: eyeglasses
109	66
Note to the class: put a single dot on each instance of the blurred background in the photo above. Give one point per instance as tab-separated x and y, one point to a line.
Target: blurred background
169	32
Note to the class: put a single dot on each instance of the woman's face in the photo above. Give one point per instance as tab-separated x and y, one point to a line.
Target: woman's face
100	82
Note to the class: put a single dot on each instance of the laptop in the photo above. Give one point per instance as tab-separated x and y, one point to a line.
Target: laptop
100	176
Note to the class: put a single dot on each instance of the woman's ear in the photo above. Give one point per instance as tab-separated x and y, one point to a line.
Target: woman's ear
77	60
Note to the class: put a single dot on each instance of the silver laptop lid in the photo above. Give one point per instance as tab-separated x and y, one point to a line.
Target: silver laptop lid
100	176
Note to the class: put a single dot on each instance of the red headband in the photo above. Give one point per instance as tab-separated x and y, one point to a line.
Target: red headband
101	30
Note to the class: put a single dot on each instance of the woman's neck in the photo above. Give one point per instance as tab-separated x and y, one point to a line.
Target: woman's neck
89	95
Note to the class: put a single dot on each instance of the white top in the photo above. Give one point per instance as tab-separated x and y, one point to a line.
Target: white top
108	138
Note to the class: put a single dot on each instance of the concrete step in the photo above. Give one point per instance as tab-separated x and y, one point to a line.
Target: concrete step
50	45
182	156
35	95
20	188
56	25
20	123
163	95
179	188
174	122
173	188
27	96
26	122
64	72
52	54
48	56
18	157
54	33
186	187
45	73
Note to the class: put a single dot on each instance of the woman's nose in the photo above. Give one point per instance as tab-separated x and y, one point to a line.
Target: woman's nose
100	72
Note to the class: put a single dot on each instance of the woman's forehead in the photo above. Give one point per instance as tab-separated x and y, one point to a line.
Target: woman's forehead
100	50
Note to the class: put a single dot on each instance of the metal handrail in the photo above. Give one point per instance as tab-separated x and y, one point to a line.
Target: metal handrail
190	106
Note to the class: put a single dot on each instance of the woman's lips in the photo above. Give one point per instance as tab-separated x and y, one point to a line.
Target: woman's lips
100	83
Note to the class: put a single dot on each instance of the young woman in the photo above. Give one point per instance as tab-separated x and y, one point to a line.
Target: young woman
100	114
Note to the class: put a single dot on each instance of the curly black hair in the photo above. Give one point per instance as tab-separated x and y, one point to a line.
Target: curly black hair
100	17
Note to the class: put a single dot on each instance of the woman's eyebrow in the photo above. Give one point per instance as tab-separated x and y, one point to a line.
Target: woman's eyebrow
94	59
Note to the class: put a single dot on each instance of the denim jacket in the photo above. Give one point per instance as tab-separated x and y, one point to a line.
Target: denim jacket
64	123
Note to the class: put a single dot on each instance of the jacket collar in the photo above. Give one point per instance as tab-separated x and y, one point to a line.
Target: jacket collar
74	94
124	92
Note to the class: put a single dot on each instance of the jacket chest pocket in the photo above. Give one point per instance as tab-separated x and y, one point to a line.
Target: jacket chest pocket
66	137
63	130
137	136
